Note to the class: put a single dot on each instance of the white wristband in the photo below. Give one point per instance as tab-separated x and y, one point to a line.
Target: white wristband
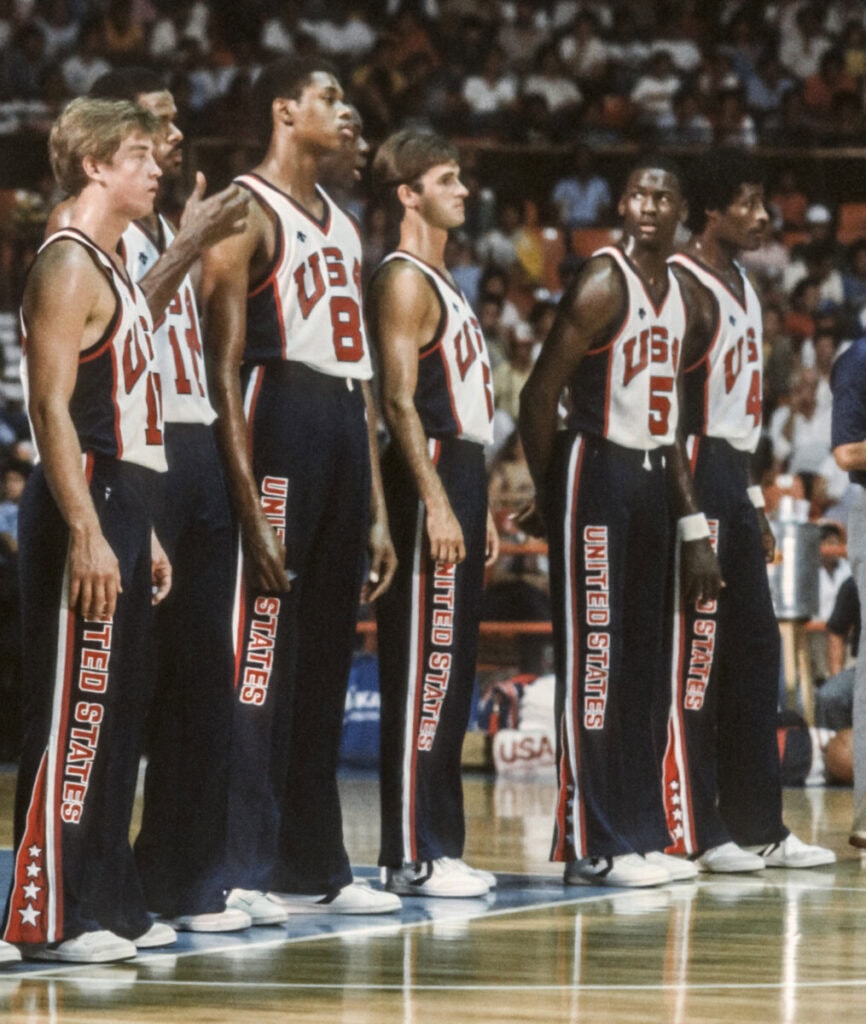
756	495
693	527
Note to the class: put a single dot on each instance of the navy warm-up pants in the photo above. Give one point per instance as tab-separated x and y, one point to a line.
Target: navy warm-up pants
311	459
87	689
428	643
180	849
609	549
721	766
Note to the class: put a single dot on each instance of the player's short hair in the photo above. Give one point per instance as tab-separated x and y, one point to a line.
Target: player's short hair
126	84
407	155
94	128
285	78
716	181
651	161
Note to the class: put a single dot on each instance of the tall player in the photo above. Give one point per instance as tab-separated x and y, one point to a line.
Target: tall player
89	567
602	490
181	845
722	783
438	401
291	387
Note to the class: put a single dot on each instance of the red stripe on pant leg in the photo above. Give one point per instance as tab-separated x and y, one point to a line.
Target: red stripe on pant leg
28	901
676	789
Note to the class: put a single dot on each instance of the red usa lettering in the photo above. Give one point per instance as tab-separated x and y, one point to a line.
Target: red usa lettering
652	345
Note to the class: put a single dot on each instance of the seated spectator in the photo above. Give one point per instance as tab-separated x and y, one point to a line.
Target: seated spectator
781	358
830	81
523	37
182	20
498	246
123	35
345	34
511	374
854	278
496	333
82	67
800	317
766	88
691	126
59	25
834	699
817	262
22	64
582	51
583	198
768	265
377	85
548	81
653	93
490	96
465	268
789	200
801	432
734	126
279	31
853	46
834	570
801	48
821	228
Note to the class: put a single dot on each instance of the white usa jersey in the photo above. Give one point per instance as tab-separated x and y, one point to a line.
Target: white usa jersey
723	389
116	404
177	335
308	307
625	389
454	393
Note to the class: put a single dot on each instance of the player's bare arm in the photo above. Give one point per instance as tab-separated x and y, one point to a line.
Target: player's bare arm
67	305
204	223
226	271
383	557
404	314
160	570
700	576
587	314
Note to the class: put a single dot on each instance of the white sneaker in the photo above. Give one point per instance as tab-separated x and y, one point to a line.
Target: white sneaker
102	947
262	910
680	869
792	852
444	877
358	897
486	876
228	920
159	934
627	869
728	858
9	954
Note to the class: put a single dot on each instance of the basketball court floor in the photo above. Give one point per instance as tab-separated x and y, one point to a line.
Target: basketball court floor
786	946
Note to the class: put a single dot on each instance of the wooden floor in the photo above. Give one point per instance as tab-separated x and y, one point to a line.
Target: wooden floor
778	946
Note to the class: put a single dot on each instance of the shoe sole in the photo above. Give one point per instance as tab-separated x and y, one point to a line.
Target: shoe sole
54	956
423	892
208	928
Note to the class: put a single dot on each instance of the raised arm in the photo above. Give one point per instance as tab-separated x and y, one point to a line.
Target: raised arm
225	280
67	304
403	312
587	313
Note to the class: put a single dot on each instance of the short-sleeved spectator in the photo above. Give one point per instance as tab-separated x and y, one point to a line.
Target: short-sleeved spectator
734	125
854	277
653	93
549	81
582	51
522	37
491	94
583	198
766	88
82	68
59	26
801	49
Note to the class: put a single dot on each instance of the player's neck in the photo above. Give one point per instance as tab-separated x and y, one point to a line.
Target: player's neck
424	241
295	171
652	264
102	223
712	251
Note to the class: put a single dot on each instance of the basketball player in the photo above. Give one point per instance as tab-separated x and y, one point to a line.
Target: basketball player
291	387
722	783
91	567
602	489
438	401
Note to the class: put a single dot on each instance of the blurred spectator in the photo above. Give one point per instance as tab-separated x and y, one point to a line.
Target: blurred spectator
15	474
804	43
377	83
582	198
834	569
801	433
781	359
734	125
491	95
854	278
560	94
789	200
82	67
464	266
817	261
22	64
653	93
498	246
766	88
496	333
830	81
582	52
345	33
59	27
768	264
511	374
800	317
183	19
853	46
690	127
521	38
123	36
280	30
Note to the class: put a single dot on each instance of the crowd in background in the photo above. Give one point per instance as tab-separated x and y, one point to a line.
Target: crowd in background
579	74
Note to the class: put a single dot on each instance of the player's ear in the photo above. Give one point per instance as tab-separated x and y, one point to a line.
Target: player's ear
282	111
407	196
92	167
684	211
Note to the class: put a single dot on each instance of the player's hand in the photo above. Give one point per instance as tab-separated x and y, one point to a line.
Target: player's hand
160	570
700	575
445	535
94	575
768	538
491	550
383	562
264	555
208	221
530	520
